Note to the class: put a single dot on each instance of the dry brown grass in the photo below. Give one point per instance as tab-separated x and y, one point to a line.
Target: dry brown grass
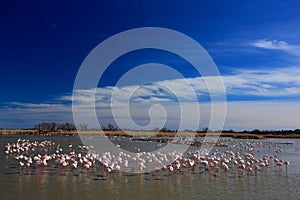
282	136
151	134
18	132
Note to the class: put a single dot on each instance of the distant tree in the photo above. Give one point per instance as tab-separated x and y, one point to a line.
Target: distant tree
110	127
165	130
68	126
38	127
83	127
53	126
256	131
205	130
46	126
43	127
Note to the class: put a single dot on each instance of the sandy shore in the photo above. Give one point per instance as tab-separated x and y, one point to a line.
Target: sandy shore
149	134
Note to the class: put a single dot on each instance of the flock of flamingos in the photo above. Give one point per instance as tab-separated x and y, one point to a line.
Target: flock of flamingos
238	158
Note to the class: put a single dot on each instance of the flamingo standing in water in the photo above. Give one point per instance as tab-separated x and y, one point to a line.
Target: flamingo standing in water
286	163
243	160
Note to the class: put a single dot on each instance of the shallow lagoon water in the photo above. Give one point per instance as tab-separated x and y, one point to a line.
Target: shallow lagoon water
51	183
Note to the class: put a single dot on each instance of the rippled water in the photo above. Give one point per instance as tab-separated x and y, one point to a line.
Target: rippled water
51	183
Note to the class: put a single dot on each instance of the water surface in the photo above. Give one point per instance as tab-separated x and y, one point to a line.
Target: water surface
52	183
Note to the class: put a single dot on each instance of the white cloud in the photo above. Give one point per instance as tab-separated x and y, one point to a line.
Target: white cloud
26	115
34	105
271	44
277	45
279	82
240	115
263	115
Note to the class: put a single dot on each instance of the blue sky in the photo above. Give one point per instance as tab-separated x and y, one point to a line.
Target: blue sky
255	46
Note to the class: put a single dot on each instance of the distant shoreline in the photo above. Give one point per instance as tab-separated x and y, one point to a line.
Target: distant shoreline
149	134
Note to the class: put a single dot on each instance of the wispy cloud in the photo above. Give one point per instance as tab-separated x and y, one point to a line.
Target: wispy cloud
35	105
271	44
261	84
26	115
240	115
279	82
277	45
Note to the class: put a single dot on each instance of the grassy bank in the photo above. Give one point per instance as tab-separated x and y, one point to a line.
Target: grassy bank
149	134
